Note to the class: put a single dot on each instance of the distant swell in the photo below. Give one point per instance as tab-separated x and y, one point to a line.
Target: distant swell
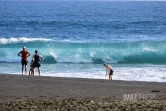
142	52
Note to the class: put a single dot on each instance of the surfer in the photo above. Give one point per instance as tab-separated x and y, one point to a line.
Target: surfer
109	71
24	61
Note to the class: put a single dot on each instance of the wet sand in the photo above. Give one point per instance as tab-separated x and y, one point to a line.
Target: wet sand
26	93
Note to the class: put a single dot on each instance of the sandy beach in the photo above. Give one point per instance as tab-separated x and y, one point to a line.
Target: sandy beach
36	93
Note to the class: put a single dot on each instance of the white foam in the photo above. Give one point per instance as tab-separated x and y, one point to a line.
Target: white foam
128	72
150	49
22	39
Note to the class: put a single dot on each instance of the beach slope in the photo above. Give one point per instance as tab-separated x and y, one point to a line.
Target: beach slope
56	93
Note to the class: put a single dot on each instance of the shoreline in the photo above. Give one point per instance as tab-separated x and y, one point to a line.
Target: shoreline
17	91
36	75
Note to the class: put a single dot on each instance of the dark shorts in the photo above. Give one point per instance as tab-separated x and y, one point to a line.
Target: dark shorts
31	65
111	72
36	64
24	62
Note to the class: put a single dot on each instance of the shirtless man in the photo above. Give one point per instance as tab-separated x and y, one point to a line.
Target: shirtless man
109	71
24	54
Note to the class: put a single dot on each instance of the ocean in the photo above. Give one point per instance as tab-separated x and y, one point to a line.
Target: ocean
77	37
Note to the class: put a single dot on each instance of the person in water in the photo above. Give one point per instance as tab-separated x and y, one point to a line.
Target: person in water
109	71
24	54
37	61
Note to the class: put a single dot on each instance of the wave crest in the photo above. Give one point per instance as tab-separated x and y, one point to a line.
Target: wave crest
152	52
49	59
21	40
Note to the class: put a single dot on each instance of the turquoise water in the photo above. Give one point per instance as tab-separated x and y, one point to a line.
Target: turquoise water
76	38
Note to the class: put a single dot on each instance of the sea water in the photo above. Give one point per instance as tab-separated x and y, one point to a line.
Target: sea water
77	37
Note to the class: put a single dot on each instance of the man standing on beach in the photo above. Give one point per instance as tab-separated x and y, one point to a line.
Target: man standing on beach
109	71
24	61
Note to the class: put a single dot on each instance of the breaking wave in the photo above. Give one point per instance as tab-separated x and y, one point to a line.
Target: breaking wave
150	52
